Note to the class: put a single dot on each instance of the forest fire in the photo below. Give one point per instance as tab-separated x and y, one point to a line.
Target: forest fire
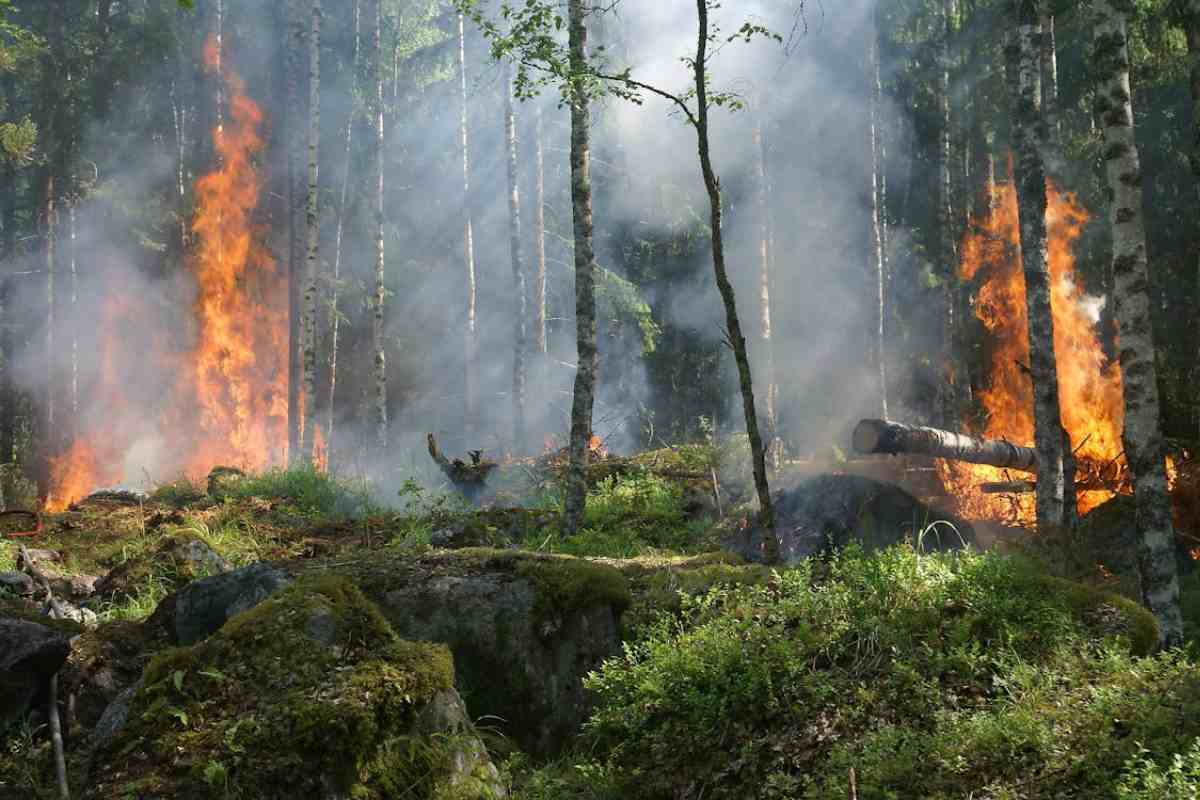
1089	385
227	401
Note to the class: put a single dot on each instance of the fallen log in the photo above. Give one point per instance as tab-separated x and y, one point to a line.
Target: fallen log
880	436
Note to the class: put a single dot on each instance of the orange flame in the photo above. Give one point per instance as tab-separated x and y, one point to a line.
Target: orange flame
228	398
320	450
1089	385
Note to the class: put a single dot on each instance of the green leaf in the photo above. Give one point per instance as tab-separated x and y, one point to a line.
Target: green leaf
177	679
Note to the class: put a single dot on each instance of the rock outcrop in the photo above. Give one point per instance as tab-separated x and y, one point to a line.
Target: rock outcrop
310	694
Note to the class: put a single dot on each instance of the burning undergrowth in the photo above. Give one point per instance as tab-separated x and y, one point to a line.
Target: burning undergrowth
221	375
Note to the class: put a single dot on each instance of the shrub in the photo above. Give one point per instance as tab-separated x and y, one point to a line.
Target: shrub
932	676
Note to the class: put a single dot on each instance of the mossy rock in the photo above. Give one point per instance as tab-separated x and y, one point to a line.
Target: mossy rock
106	661
175	562
310	694
220	479
658	584
524	628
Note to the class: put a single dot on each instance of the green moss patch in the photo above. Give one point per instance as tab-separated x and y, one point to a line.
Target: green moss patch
303	692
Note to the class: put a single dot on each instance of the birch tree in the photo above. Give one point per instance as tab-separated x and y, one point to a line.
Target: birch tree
335	318
471	360
379	411
1031	203
296	56
877	270
1189	20
520	299
1142	436
312	224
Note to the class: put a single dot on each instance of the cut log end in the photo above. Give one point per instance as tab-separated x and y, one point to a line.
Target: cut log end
868	435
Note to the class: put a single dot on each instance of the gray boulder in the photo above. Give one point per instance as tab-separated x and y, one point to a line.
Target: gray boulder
31	652
524	629
828	512
17	583
203	606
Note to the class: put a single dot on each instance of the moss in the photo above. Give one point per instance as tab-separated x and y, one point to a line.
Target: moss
658	584
1105	613
305	687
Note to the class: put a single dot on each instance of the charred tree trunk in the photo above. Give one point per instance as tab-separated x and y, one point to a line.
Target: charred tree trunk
312	227
1031	202
520	298
876	270
733	324
1142	436
471	372
873	436
585	278
335	285
379	374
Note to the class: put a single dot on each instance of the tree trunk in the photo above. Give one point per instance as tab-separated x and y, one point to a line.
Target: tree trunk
1031	203
312	225
102	82
471	372
335	286
50	437
763	198
379	410
1056	162
876	271
296	124
1190	20
1143	435
874	436
733	325
73	273
585	278
520	298
947	233
539	237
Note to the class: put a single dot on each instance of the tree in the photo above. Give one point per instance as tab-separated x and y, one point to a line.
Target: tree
1142	436
1188	17
335	318
584	397
947	234
298	30
312	225
1031	200
471	365
379	411
877	269
520	310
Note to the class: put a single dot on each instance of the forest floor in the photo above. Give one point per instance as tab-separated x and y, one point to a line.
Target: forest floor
909	674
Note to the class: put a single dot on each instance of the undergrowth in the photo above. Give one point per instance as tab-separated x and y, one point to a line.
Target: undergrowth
944	676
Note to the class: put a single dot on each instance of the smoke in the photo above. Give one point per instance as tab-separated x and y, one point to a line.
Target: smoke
136	287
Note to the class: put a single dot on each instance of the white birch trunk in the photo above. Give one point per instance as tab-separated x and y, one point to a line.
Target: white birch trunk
312	224
1143	434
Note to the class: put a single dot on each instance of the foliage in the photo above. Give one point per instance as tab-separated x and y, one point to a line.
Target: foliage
304	488
933	676
1178	779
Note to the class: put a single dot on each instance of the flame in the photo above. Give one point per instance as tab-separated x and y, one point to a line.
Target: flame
226	401
320	450
597	448
1089	384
